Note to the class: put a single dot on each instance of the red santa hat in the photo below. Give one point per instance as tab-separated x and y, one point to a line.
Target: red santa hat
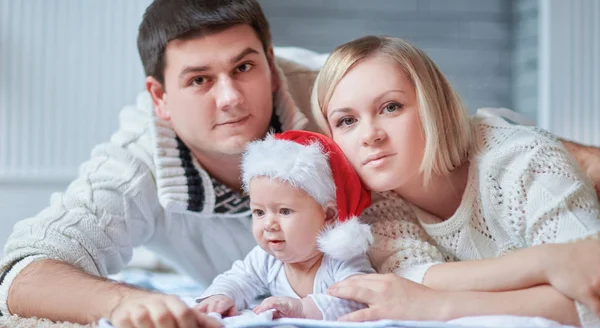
314	163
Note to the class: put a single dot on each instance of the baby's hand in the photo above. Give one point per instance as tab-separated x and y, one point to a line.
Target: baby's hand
287	307
220	304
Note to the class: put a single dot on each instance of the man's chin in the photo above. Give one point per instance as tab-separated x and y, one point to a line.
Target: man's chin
236	145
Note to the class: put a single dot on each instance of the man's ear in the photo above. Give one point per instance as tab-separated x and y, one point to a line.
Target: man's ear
274	76
159	97
331	212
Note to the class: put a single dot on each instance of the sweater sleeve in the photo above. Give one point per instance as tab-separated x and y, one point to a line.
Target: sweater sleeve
332	307
103	214
245	281
401	245
561	205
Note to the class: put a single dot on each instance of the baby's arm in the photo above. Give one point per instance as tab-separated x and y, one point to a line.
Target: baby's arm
327	307
243	283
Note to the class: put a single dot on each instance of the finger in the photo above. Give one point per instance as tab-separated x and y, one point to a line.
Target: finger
281	307
122	321
184	315
202	307
205	321
358	279
262	307
593	302
369	314
140	317
222	307
161	315
361	294
370	280
213	307
232	311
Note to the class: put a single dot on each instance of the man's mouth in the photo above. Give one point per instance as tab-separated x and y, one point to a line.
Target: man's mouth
235	121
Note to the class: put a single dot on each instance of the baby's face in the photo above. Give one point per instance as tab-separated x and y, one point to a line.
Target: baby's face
285	220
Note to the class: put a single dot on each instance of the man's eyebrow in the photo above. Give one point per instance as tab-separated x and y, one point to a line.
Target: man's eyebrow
243	54
192	69
199	69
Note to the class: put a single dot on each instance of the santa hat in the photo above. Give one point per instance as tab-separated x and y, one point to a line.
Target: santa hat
314	163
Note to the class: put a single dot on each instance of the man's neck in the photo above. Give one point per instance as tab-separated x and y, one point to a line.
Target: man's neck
442	196
225	168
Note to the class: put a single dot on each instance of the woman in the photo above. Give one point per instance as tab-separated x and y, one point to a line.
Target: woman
453	188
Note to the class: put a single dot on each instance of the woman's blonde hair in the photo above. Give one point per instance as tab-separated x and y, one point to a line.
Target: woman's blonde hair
444	118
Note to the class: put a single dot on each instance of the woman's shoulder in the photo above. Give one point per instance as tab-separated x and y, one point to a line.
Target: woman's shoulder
497	137
388	205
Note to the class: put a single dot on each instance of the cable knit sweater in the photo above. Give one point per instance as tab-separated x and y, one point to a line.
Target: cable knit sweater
144	187
523	189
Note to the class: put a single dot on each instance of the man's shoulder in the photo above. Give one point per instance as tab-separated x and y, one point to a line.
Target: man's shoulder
299	79
132	142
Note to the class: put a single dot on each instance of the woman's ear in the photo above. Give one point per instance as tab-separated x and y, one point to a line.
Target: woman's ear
331	212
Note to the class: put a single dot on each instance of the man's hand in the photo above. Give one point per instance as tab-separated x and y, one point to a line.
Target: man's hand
158	310
574	270
588	158
220	304
287	307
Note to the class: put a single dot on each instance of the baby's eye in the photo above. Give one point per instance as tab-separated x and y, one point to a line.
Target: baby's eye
285	211
258	213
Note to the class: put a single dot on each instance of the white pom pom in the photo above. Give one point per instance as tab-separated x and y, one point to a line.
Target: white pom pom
345	240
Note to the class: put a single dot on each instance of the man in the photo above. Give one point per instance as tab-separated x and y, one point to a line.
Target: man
169	178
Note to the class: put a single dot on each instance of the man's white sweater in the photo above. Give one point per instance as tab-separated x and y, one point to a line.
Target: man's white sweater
143	187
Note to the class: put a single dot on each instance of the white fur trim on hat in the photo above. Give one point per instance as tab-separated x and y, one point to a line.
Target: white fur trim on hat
345	240
302	166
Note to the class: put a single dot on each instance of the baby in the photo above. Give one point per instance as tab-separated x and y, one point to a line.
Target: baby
305	200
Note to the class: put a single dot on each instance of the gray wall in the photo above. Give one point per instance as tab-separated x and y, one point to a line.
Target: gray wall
525	57
470	40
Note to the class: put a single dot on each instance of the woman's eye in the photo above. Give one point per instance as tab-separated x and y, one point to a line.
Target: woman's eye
285	211
346	121
392	107
244	67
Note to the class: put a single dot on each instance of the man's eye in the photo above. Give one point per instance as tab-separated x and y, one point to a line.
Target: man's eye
244	67
199	80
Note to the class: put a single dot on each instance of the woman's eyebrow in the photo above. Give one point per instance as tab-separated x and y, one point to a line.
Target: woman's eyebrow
343	110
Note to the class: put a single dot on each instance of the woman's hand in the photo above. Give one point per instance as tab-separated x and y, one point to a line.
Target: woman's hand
574	270
287	307
389	297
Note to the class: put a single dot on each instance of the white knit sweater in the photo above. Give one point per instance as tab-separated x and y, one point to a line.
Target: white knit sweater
523	189
143	188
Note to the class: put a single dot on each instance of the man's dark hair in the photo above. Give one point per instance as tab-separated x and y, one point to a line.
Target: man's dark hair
166	20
